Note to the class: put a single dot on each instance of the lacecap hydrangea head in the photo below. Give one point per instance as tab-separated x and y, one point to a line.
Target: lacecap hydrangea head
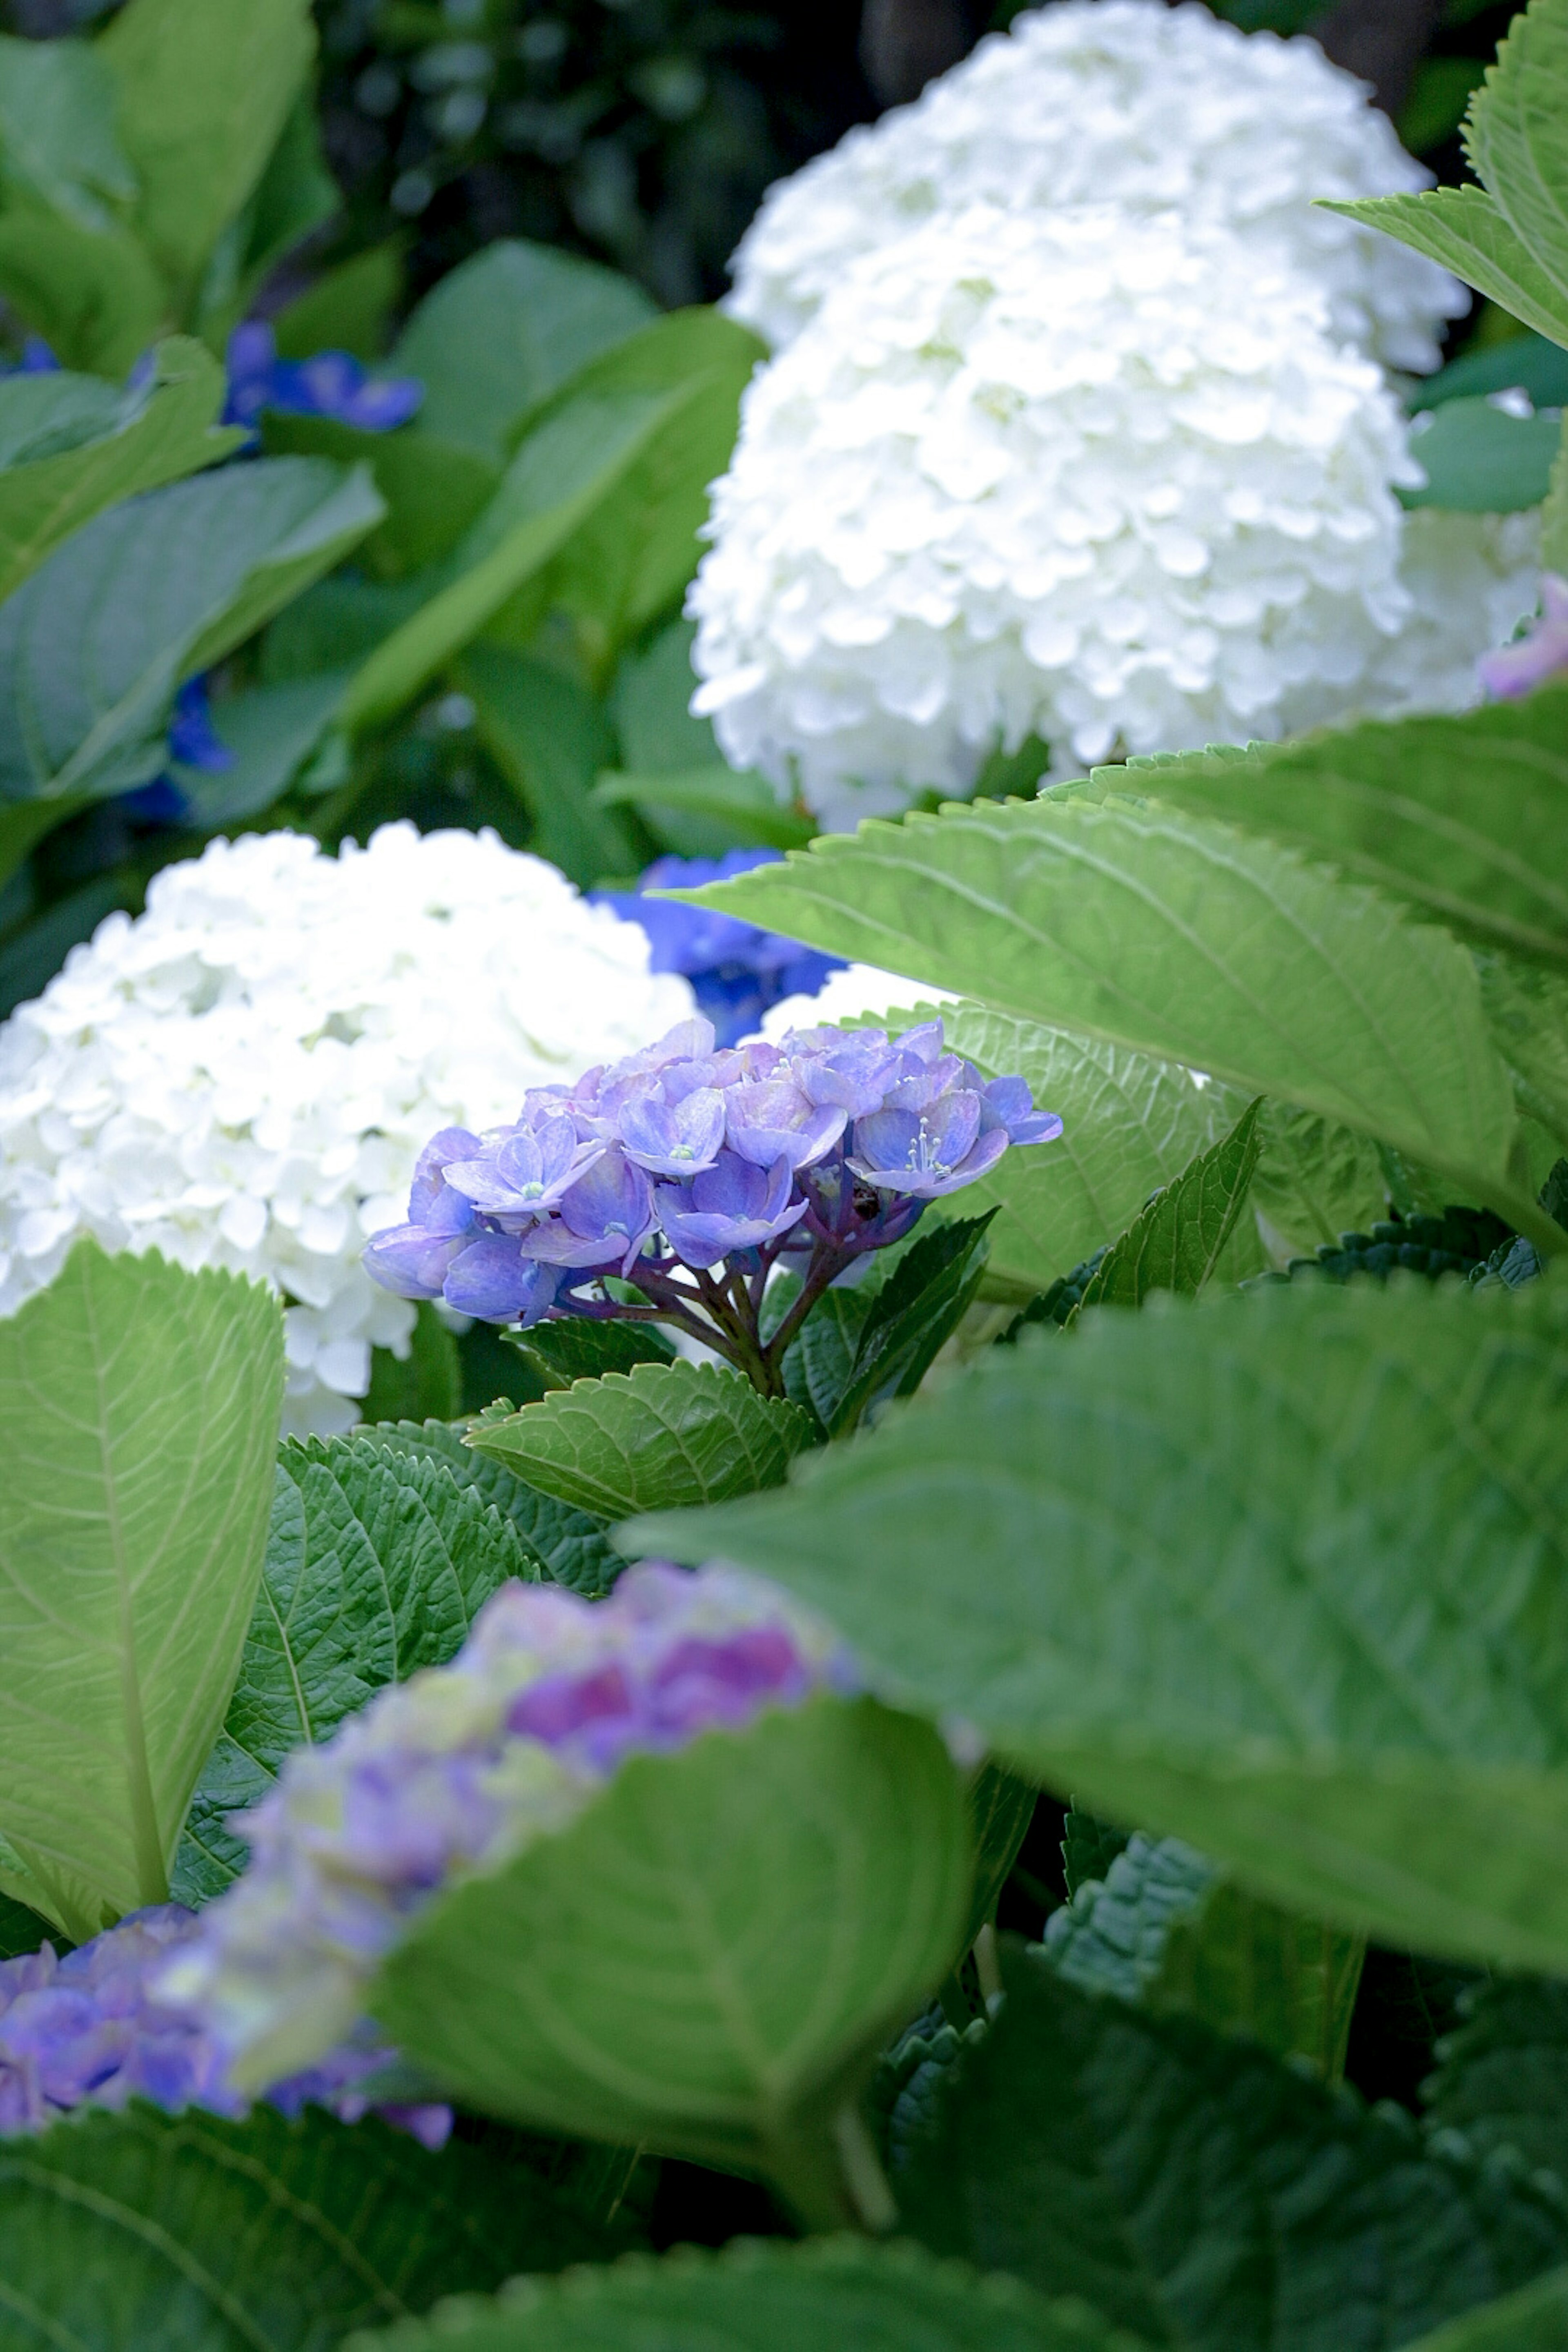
686	1154
455	1772
1127	102
738	971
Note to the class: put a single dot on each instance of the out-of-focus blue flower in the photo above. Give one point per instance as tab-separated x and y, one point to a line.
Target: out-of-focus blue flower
461	1769
93	2028
1516	670
36	359
330	384
736	969
194	743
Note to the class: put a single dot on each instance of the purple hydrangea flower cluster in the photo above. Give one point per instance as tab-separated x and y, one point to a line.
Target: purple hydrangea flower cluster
689	1169
93	2027
453	1773
737	969
329	383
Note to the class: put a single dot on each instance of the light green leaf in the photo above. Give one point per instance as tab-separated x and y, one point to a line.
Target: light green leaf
570	1547
1178	1238
93	296
744	804
658	1435
187	2232
1179	937
1194	2188
1533	2320
57	141
1316	1179
505	331
139	1405
550	737
1164	1928
141	440
1517	134
1478	459
761	2295
204	88
1286	1577
1527	1010
435	490
94	644
1466	231
377	1563
708	1958
1466	816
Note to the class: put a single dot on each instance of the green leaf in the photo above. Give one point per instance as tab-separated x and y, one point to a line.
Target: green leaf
570	1350
1194	2188
1515	136
708	1958
435	490
1438	96
138	1406
1177	1238
570	1547
644	1440
376	1565
650	702
272	731
1466	816
1526	362
21	1930
505	331
1286	1577
910	1317
550	737
57	140
1478	459
348	307
294	196
1503	2076
204	88
32	955
1088	1847
94	644
820	1358
1000	1808
1554	513
1166	1929
1179	937
193	2233
1316	1179
1533	2320
93	295
760	2295
425	1385
1471	235
142	440
745	804
1527	1010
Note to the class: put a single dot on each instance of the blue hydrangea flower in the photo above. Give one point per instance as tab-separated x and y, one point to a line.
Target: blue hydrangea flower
454	1772
194	742
329	383
736	969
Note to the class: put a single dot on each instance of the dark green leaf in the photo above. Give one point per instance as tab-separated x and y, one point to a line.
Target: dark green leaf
910	1317
92	294
574	1350
295	196
425	1385
1089	1846
1193	2188
550	738
348	307
820	1358
1478	459
1000	1808
272	731
21	1930
33	954
196	2235
1526	362
1503	2076
1177	1239
435	490
1287	1577
679	1432
569	1546
1439	94
1533	2320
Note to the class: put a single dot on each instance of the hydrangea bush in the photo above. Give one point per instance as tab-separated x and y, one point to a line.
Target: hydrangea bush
981	1700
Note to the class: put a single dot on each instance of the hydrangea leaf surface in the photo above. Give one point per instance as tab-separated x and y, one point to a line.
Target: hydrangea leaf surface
1178	1238
1515	136
569	1546
57	135
140	1404
684	1433
1502	2074
763	2296
1337	1671
1532	2320
708	1957
1478	459
1203	2194
261	2236
910	1317
1468	233
376	1565
92	294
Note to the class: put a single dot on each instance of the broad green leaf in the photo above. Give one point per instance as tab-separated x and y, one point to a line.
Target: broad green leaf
93	295
1194	2189
295	196
658	1435
348	307
434	490
910	1317
1478	459
819	1359
1000	1808
1177	1239
203	91
760	2295
1527	1010
1517	134
571	1547
505	331
198	2235
139	1409
743	805
1177	936
145	439
1526	362
550	737
57	140
1503	2076
568	1349
1164	1928
376	1565
1471	235
670	767
1533	2320
1316	1179
272	731
650	702
1089	1846
1287	1577
1466	816
708	1958
94	644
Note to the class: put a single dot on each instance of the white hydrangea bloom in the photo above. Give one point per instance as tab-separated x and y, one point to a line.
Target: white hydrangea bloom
243	1075
1127	102
1068	473
1471	578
